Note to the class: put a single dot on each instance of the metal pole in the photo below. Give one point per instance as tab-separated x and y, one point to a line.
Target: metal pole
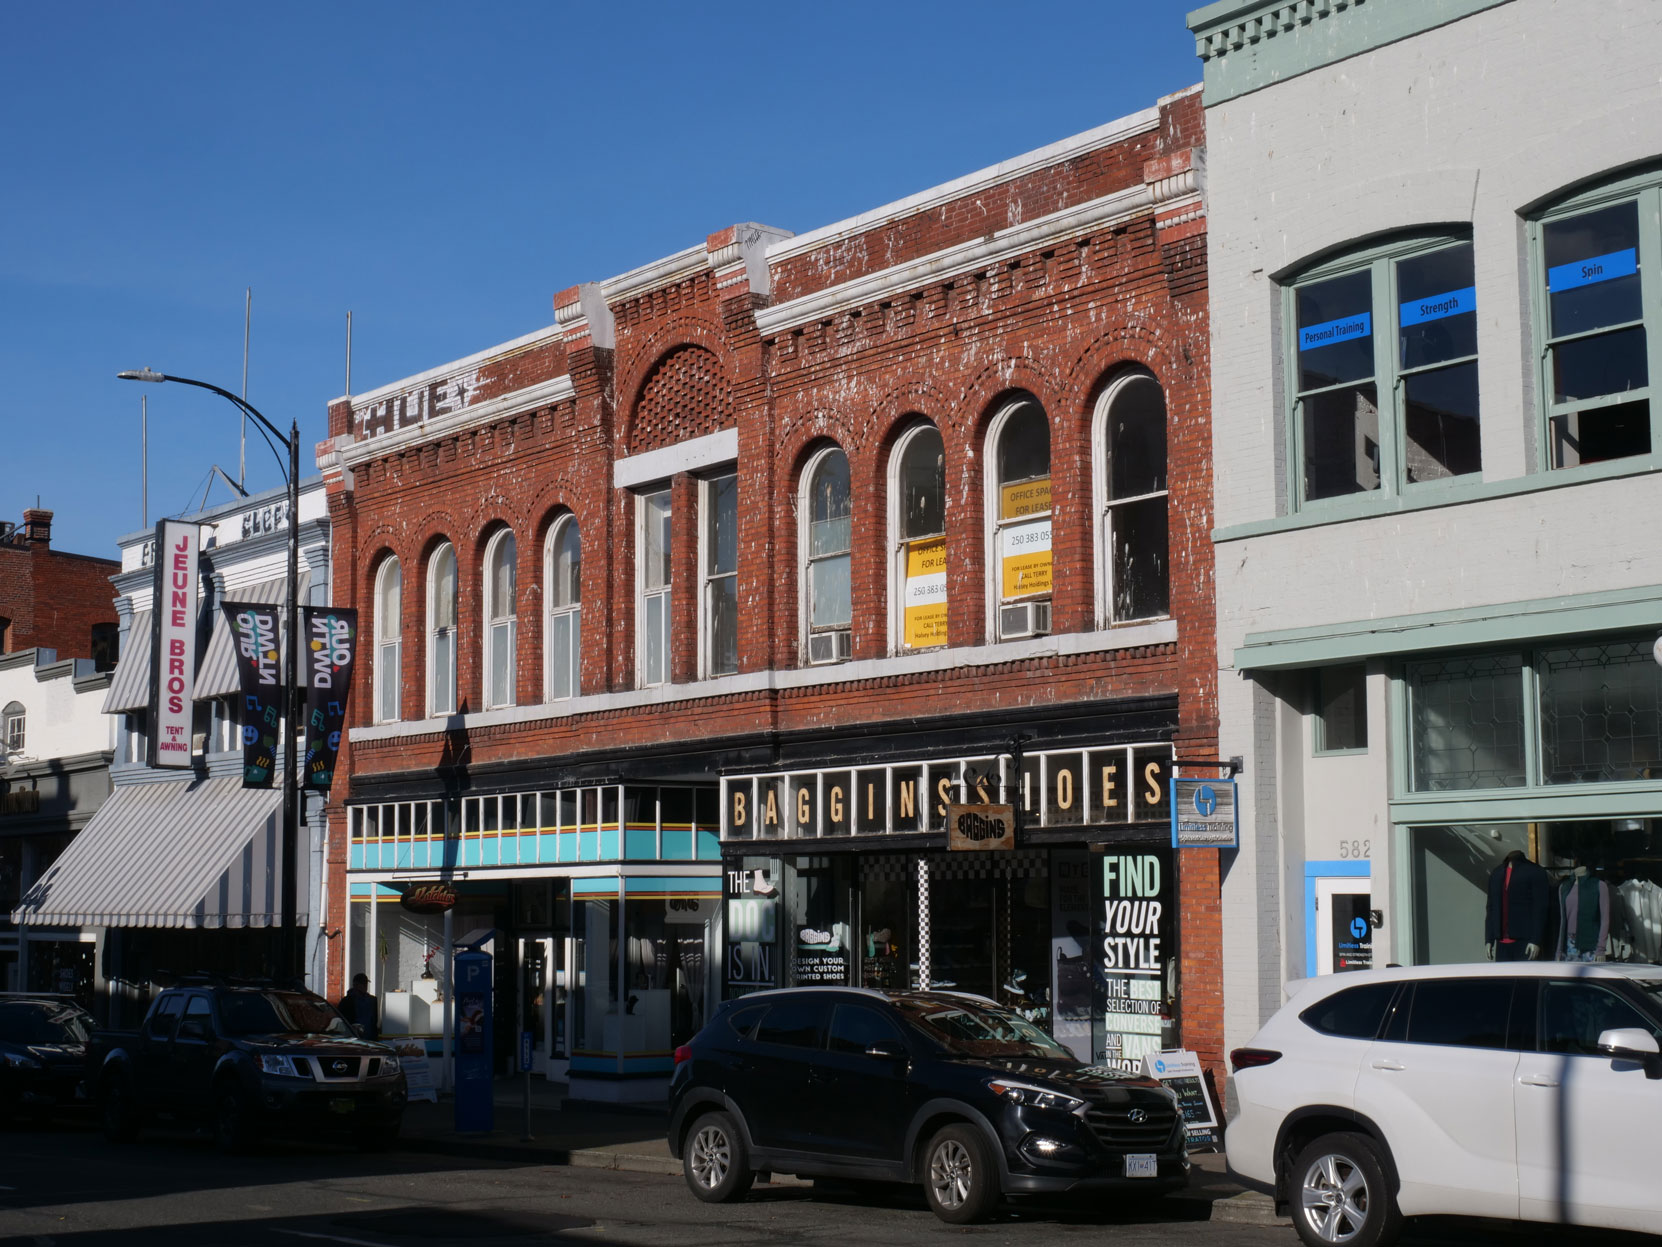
242	449
291	762
144	461
349	354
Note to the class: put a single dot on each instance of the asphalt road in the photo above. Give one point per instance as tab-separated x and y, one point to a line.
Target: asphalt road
65	1188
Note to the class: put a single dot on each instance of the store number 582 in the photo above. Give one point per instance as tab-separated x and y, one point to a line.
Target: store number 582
1355	848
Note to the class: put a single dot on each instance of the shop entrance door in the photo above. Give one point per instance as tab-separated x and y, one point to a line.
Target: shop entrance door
1342	923
541	990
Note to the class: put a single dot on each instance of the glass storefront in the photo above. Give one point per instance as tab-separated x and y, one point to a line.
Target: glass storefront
1570	728
1453	878
1080	942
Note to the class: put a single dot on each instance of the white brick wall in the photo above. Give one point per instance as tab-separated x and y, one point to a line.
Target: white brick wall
1471	124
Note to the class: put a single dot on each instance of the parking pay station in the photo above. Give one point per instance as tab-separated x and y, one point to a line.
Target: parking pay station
475	1103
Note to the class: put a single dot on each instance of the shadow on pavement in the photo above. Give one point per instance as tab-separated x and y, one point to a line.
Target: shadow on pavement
429	1227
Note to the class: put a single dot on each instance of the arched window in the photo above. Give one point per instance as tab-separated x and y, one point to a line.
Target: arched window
1018	520
563	576
917	503
500	626
389	673
13	721
1129	446
827	543
441	631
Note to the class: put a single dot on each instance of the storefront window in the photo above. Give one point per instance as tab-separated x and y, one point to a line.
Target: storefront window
1468	724
817	900
1601	713
1614	864
595	1028
412	961
888	923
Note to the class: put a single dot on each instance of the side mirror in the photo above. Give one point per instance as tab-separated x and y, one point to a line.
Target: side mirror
888	1050
193	1028
1629	1042
359	1029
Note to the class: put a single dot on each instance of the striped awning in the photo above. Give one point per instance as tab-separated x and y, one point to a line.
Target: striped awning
130	685
216	672
180	853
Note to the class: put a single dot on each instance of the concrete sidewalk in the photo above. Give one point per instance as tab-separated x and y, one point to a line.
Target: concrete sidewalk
634	1138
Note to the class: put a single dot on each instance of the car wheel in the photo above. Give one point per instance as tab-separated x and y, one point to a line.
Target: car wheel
231	1125
959	1179
121	1122
1340	1196
714	1160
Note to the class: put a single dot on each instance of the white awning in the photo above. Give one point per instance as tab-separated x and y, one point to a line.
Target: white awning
130	685
181	853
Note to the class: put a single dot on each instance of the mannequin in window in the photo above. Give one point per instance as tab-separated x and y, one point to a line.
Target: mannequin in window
1520	896
1584	916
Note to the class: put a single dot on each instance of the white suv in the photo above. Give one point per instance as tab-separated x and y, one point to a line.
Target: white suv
1529	1090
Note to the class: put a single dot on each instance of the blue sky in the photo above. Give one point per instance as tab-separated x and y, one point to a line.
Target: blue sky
441	171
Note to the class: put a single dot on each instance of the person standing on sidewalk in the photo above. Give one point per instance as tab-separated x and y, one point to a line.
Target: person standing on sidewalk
361	1008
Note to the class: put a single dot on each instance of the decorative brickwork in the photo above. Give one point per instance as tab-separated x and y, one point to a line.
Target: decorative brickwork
686	396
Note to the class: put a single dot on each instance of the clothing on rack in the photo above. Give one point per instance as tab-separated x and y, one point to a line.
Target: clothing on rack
1520	896
1642	900
1584	909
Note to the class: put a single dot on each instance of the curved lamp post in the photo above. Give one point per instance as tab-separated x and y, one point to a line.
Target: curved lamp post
289	950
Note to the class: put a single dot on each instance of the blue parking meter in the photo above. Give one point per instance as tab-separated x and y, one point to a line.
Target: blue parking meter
475	1095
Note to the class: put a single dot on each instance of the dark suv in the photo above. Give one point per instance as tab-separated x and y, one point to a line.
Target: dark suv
949	1090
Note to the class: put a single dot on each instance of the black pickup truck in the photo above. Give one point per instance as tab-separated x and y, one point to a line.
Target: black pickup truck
247	1060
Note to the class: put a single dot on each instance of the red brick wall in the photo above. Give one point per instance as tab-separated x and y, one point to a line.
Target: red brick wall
53	599
1059	323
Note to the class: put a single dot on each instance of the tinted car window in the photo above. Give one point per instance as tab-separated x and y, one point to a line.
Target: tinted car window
743	1021
854	1028
166	1017
1573	1015
42	1023
197	1010
1354	1013
798	1021
1460	1013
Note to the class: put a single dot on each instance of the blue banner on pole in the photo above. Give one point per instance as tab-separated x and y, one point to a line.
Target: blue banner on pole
525	1052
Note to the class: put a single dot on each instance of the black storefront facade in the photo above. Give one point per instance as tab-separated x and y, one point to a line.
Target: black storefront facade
839	868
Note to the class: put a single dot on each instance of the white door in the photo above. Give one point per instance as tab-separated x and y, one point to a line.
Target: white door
1344	924
1589	1127
1440	1086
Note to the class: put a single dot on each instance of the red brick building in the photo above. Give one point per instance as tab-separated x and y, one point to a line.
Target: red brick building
50	599
726	585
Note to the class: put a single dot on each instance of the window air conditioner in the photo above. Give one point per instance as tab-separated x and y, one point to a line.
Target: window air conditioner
1023	619
828	647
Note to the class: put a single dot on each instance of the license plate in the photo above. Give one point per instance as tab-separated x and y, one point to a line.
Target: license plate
1142	1165
344	1105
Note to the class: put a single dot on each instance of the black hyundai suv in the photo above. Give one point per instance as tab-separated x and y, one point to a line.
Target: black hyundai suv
949	1090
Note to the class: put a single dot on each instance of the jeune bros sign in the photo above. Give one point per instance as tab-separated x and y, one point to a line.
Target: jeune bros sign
173	633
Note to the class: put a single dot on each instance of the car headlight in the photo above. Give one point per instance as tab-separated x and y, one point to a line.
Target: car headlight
284	1066
389	1065
16	1060
1034	1097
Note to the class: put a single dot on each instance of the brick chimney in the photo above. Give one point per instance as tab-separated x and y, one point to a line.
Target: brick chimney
37	527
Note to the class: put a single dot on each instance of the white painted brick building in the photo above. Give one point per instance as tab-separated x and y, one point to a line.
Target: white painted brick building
1436	313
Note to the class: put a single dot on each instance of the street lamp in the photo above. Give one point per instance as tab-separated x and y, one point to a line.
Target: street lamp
288	952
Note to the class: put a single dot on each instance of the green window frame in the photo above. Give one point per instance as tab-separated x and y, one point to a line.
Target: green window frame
1339	708
1597	283
1382	384
1561	716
